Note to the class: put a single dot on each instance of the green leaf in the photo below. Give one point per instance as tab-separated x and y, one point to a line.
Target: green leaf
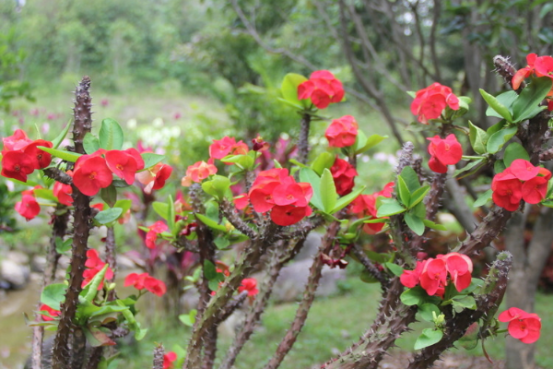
478	138
418	196
414	223
209	270
91	143
367	278
514	151
289	89
370	141
221	243
151	159
327	191
124	204
506	98
63	246
62	154
53	295
426	311
188	319
110	135
464	301
499	166
241	161
161	208
430	224
470	168
108	216
413	296
45	194
325	160
217	186
171	214
526	104
409	176
210	223
389	207
345	200
56	142
496	127
96	337
395	269
95	283
419	210
405	195
308	175
109	195
496	105
498	139
427	338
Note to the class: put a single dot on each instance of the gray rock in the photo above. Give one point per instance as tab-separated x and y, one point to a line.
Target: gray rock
18	257
293	278
312	243
38	263
16	275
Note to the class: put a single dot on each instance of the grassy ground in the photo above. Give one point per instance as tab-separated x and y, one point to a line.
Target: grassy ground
333	324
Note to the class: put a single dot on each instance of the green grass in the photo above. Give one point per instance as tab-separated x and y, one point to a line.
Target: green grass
333	324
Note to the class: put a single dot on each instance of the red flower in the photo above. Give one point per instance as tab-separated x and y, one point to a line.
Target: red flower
275	190
227	146
153	232
91	174
155	177
444	152
16	142
124	164
322	88
197	172
343	174
169	358
459	267
258	144
28	207
155	286
249	284
508	188
342	132
41	158
410	278
364	206
241	201
431	101
63	193
540	65
94	265
145	281
53	313
17	165
433	275
523	326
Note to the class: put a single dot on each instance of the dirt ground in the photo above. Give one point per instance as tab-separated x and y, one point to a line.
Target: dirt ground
400	359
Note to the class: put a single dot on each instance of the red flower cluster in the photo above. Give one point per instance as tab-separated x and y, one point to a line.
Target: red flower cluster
93	172
169	358
153	232
432	274
155	177
249	284
21	156
322	89
447	151
145	281
275	190
343	174
227	146
53	313
431	101
540	66
197	172
364	206
63	192
523	326
521	180
94	265
342	132
28	207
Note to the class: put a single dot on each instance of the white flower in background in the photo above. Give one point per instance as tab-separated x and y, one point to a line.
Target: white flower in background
158	123
132	123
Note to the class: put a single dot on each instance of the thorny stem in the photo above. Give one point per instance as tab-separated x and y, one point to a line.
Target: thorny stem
309	294
58	175
158	357
111	259
369	266
60	219
62	354
303	138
